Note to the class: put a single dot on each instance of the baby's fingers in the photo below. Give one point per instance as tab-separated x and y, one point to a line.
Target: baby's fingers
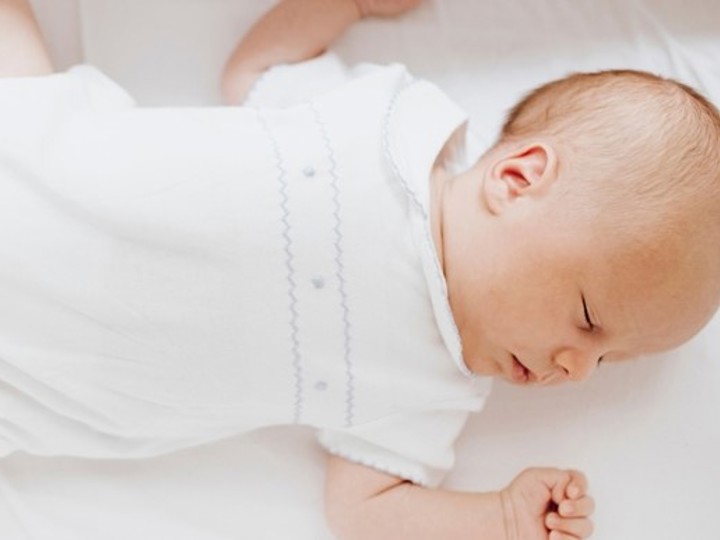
582	507
572	528
578	485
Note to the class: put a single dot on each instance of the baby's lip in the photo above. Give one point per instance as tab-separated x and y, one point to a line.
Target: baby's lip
519	373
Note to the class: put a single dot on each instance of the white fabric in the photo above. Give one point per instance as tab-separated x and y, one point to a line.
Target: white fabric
173	277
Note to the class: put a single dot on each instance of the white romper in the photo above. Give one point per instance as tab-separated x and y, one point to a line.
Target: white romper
175	276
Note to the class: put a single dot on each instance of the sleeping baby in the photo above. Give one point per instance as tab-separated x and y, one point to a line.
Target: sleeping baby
175	276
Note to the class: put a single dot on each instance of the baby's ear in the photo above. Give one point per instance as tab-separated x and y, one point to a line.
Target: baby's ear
527	171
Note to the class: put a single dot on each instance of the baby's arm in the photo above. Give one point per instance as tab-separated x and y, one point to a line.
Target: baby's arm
296	30
22	49
363	503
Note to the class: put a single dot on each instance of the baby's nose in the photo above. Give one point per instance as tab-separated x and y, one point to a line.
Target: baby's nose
575	365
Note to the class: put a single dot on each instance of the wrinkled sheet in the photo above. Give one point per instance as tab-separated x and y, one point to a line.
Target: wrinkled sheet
646	433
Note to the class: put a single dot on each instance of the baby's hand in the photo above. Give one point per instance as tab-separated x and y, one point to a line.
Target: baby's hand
385	8
548	504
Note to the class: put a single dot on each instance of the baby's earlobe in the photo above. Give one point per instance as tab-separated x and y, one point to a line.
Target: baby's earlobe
496	193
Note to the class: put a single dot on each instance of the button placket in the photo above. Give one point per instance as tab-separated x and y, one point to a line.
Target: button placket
318	282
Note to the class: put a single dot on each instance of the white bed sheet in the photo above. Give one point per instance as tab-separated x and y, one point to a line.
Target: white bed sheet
646	433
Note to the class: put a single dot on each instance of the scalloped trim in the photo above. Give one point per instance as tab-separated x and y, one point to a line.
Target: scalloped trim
412	477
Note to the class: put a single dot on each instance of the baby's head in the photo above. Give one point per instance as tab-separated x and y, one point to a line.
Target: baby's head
590	231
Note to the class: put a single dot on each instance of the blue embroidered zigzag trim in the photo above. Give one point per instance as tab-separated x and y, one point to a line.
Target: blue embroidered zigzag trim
340	272
290	267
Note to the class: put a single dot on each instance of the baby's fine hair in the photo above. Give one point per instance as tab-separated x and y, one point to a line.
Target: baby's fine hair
628	133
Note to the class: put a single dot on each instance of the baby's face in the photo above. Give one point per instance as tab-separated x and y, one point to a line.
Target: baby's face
544	297
552	309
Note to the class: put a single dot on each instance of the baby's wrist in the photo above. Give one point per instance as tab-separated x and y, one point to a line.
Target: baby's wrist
509	518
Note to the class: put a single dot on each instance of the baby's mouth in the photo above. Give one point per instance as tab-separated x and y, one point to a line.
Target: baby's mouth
520	374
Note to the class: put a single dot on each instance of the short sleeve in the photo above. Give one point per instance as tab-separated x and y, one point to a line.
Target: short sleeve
417	446
101	90
35	109
82	85
286	85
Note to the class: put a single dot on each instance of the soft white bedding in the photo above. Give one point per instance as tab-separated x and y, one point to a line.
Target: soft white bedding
646	433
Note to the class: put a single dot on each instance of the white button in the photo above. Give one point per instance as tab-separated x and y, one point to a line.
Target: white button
321	386
318	282
309	171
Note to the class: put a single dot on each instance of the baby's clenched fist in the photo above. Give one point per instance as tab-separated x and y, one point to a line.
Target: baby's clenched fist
548	504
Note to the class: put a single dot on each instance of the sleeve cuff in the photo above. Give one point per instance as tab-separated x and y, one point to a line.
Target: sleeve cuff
365	453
